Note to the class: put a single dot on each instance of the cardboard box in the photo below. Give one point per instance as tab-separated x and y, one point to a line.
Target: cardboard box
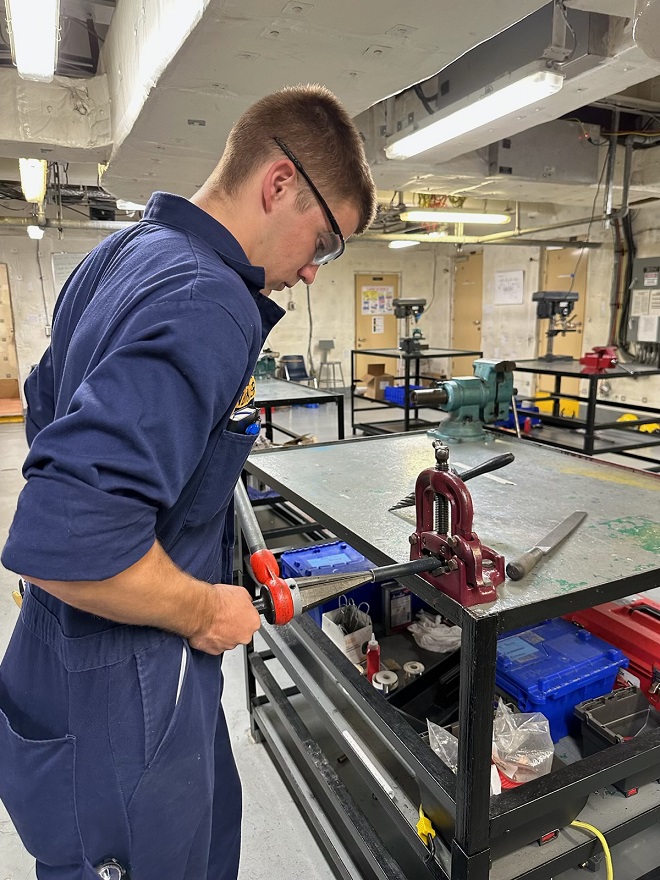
376	380
9	389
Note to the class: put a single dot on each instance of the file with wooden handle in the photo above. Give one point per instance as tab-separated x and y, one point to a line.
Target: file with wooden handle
518	568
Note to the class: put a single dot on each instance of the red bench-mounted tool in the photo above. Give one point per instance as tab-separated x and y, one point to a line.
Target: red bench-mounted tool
601	357
474	569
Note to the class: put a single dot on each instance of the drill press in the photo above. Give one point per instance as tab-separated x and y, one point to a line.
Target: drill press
472	401
406	310
556	306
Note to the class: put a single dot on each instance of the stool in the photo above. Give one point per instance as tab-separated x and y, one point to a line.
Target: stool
328	369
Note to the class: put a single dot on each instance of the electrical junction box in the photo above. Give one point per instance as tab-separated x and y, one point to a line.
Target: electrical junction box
556	152
644	320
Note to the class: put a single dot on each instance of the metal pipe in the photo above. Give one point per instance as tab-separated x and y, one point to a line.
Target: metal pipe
611	161
92	225
564	224
248	519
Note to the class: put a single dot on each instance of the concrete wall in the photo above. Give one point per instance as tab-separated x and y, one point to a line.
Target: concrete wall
509	331
332	298
425	271
32	303
332	295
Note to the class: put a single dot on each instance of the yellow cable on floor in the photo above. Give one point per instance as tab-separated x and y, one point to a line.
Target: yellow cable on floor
601	837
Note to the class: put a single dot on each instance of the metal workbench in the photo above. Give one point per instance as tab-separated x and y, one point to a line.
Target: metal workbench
411	374
348	487
598	432
272	393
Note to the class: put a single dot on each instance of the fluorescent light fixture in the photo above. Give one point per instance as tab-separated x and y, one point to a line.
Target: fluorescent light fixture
34	34
33	179
402	243
483	108
440	215
123	205
35	232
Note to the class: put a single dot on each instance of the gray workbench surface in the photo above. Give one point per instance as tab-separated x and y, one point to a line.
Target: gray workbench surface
350	485
269	391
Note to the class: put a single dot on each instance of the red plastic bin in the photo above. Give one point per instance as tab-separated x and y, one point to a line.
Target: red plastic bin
633	626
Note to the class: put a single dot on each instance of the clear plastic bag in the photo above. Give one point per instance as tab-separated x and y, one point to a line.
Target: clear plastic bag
432	634
444	744
522	745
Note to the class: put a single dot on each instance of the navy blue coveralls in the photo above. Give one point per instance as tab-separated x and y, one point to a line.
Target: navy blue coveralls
112	739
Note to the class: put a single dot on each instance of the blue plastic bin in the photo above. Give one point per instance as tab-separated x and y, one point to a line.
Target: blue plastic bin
334	558
397	393
552	667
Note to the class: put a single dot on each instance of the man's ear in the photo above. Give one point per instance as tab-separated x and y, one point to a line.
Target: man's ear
279	184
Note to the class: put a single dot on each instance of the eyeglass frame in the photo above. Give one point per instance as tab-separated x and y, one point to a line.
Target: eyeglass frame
330	216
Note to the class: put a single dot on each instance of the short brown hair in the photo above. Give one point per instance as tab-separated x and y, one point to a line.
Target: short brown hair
314	125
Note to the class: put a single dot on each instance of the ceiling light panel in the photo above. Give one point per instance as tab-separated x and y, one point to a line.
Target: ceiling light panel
507	95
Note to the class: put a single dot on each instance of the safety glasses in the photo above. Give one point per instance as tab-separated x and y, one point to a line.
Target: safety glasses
330	245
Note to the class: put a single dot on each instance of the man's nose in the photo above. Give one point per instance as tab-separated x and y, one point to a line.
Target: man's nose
308	273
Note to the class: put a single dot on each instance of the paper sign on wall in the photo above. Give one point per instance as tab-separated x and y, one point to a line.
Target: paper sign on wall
377	300
654	302
639	305
63	266
647	329
509	288
378	324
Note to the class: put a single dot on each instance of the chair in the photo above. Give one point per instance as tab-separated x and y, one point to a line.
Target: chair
293	369
328	369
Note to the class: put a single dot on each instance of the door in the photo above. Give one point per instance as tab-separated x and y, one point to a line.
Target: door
11	406
467	310
375	324
558	269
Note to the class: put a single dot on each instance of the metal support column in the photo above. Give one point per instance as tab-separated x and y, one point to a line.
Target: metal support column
475	719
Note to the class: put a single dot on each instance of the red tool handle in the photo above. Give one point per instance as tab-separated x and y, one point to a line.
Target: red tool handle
275	593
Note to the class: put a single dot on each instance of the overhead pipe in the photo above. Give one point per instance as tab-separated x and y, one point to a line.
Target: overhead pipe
92	225
611	162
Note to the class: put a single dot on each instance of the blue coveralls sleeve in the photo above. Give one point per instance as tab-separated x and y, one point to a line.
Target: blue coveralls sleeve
133	434
40	393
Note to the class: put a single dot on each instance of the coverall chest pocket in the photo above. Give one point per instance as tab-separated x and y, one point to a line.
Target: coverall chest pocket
221	474
37	788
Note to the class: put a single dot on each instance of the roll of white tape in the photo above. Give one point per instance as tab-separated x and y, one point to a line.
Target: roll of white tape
385	681
413	669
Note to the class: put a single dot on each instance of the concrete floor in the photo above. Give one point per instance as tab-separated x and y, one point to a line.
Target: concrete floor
271	849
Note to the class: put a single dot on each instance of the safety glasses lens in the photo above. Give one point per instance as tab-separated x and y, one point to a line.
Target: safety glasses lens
329	247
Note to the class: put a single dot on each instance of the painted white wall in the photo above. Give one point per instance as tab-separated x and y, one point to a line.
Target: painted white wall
332	295
332	298
509	331
32	304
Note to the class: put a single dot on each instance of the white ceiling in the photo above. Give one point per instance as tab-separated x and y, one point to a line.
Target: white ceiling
242	49
176	97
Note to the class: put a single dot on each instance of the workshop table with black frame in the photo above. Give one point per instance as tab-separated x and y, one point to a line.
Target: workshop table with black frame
349	487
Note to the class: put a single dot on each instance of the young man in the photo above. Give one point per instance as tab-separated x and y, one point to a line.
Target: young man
113	744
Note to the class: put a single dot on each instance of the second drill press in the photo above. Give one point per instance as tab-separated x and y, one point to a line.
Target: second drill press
472	401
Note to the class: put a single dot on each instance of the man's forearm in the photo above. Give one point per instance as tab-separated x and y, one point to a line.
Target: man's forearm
152	592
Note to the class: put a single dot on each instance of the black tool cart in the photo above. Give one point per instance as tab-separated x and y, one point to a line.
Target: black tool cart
359	770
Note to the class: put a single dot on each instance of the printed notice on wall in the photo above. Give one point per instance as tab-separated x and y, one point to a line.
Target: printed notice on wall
647	329
378	324
639	304
654	302
509	288
63	266
651	274
377	300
